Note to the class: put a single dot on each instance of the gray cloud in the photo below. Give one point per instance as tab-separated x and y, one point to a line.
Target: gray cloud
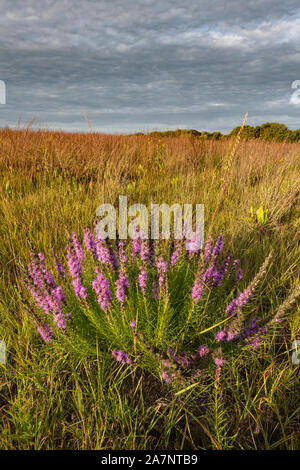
143	64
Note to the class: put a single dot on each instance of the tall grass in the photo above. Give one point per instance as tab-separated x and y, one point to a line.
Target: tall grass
50	185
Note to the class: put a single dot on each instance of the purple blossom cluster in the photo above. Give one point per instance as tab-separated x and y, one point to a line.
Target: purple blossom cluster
239	301
122	253
48	295
122	285
75	257
102	290
121	356
218	246
59	267
159	288
142	279
175	256
105	255
144	251
45	332
89	242
207	249
219	361
77	247
249	333
192	246
39	273
216	271
239	274
136	246
117	266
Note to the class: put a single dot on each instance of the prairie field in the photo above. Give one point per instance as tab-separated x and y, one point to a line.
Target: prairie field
71	392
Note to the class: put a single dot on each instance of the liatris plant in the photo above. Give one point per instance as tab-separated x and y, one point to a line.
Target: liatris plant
154	304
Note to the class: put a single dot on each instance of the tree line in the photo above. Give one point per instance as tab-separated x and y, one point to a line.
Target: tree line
270	131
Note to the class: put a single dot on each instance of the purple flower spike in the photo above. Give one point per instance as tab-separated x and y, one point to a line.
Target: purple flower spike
122	284
89	242
122	253
73	262
105	254
203	351
144	251
207	250
239	301
162	268
59	267
75	268
218	273
79	289
48	295
121	356
142	278
58	295
45	332
154	291
35	272
162	265
197	290
214	273
239	274
193	245
77	247
218	246
135	246
221	335
176	253
102	290
219	361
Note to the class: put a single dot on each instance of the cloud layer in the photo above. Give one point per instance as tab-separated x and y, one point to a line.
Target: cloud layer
142	65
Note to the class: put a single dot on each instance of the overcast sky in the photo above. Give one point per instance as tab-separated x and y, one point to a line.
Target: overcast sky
141	65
